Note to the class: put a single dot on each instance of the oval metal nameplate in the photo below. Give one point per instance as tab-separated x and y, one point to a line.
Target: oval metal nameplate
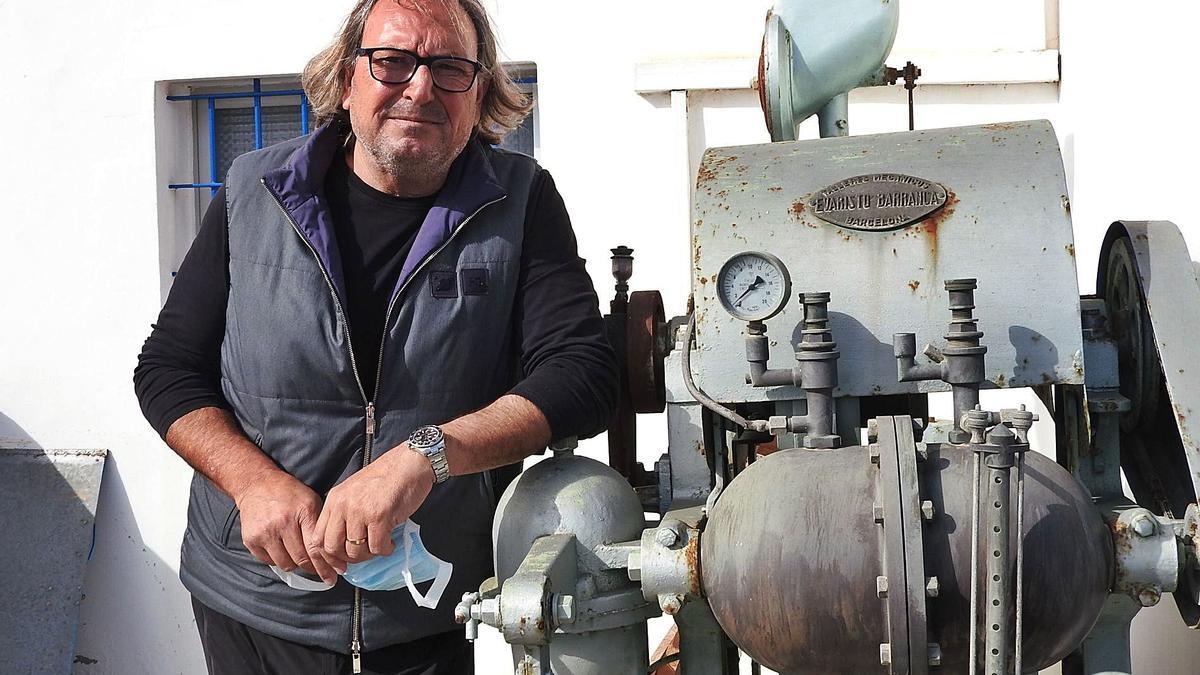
878	201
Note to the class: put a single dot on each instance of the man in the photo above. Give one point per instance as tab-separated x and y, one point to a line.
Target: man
346	290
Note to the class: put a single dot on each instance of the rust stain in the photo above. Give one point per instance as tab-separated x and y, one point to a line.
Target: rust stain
708	172
1000	380
913	284
1122	541
930	225
691	557
775	188
1070	249
1002	126
703	280
797	207
1036	337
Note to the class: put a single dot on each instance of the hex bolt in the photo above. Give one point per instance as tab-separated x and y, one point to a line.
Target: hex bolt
872	430
1149	597
1143	525
489	612
670	603
932	587
927	510
666	536
564	609
634	565
935	654
874	450
877	513
885	654
881	586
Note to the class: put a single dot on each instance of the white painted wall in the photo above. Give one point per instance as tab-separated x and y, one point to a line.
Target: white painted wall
84	175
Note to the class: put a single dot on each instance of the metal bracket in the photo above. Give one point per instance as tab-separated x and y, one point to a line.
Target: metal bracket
904	583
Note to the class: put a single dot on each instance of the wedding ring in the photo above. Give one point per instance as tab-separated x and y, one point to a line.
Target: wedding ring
356	542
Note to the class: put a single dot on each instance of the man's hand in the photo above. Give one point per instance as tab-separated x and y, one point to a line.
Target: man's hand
278	511
279	516
359	514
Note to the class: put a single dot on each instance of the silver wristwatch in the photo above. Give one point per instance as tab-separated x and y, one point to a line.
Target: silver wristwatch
429	441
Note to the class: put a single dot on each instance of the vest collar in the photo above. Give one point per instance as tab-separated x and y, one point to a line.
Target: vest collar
298	184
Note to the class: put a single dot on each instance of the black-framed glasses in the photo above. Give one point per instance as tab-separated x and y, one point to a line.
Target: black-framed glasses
397	66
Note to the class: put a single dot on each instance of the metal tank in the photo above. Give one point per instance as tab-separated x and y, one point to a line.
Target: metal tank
806	535
564	607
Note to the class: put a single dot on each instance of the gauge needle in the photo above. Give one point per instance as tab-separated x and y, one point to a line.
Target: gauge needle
758	281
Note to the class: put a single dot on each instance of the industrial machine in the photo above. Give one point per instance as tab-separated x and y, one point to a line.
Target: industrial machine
813	515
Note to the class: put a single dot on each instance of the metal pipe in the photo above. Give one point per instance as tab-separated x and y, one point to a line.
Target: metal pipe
761	376
966	398
702	398
758	352
834	117
998	611
974	634
1018	651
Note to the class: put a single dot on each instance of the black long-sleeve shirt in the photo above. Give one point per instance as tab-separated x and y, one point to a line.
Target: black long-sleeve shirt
570	370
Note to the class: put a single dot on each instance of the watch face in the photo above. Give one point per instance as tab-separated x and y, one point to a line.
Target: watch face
425	436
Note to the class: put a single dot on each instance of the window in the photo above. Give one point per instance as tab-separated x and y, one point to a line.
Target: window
203	125
524	139
233	120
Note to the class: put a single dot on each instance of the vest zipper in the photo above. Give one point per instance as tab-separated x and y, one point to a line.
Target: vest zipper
369	443
356	628
337	302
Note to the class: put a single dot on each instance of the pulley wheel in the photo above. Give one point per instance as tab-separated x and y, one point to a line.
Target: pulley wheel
1137	357
645	331
1153	455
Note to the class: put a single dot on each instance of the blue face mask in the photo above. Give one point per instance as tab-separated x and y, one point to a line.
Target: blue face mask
408	565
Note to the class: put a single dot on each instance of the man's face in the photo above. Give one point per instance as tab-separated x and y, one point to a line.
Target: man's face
413	126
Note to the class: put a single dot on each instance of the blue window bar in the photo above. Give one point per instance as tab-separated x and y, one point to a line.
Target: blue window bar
214	155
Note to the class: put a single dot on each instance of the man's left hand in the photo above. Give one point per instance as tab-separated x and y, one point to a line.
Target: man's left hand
360	513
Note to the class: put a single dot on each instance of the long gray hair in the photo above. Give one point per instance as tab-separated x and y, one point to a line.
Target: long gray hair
326	75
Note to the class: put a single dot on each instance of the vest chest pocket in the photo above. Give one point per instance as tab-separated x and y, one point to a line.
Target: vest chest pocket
448	284
459	325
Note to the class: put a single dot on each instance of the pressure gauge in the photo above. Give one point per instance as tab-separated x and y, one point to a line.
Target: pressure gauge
753	286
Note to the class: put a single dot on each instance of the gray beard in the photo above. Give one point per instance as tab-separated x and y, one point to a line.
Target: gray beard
404	168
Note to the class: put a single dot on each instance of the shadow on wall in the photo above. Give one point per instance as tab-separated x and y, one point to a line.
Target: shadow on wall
13	436
136	617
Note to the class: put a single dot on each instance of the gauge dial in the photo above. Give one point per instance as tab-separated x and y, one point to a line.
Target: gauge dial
753	286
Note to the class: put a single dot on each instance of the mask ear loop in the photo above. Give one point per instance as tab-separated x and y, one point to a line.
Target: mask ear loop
445	570
300	583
